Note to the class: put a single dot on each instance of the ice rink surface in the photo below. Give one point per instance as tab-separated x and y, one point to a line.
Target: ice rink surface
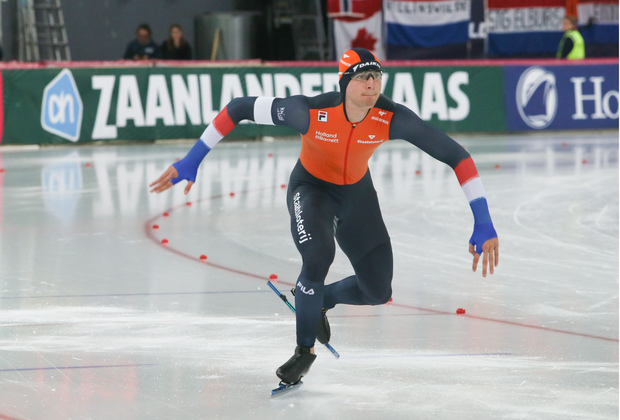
99	320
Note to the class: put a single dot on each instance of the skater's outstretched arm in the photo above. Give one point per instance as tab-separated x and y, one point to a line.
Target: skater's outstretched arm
291	112
406	125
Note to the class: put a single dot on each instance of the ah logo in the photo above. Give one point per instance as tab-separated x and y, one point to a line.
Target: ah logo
537	97
61	111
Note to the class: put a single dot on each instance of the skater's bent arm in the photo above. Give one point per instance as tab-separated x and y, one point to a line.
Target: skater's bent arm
408	126
291	112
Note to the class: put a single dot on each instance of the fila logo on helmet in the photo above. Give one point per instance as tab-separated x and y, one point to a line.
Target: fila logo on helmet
322	116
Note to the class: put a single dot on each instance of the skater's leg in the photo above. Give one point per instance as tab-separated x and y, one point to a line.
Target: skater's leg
371	284
363	237
312	213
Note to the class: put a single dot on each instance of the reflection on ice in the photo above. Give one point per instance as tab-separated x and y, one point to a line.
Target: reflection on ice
121	183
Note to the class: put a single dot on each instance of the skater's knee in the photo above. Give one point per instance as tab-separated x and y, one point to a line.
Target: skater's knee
315	267
379	297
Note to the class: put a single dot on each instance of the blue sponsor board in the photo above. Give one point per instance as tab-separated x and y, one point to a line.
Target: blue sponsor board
561	97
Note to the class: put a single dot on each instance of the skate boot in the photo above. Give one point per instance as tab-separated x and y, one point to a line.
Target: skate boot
323	330
297	366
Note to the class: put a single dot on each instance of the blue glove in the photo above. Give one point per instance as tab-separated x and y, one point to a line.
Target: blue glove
483	226
187	167
482	233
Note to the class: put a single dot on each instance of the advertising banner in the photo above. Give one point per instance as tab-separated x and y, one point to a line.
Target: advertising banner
562	97
524	27
598	21
427	24
55	105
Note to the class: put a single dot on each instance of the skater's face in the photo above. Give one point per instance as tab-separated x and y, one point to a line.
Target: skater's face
364	88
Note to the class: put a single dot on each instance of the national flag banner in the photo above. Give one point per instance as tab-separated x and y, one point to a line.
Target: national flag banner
598	21
524	27
357	24
427	23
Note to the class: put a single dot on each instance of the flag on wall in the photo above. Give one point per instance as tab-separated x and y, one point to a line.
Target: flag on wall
519	27
357	23
427	23
598	21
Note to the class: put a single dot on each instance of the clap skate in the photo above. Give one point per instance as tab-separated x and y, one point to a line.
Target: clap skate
297	366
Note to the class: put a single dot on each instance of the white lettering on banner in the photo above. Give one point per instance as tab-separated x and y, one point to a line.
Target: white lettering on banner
128	104
59	105
186	99
101	128
455	81
286	85
231	89
256	88
603	14
527	19
177	100
404	92
434	100
206	94
427	9
602	106
158	104
330	82
311	84
384	81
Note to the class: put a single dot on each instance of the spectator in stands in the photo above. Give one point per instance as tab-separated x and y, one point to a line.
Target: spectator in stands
571	44
176	46
143	47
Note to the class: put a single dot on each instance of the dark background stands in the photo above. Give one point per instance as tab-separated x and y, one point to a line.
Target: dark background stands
99	30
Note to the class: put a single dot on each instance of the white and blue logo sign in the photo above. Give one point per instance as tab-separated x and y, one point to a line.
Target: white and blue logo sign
537	97
561	97
62	109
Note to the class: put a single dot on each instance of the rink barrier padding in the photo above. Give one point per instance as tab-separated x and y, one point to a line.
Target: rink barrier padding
69	102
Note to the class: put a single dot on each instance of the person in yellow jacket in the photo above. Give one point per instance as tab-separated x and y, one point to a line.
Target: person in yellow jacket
571	44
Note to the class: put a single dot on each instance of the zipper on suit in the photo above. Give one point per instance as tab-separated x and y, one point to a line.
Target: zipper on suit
346	155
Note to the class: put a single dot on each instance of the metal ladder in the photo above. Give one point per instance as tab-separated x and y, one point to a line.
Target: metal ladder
306	18
42	31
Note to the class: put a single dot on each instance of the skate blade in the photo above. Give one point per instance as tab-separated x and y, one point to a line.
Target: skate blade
285	388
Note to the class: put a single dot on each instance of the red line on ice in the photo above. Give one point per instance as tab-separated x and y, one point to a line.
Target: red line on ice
149	233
